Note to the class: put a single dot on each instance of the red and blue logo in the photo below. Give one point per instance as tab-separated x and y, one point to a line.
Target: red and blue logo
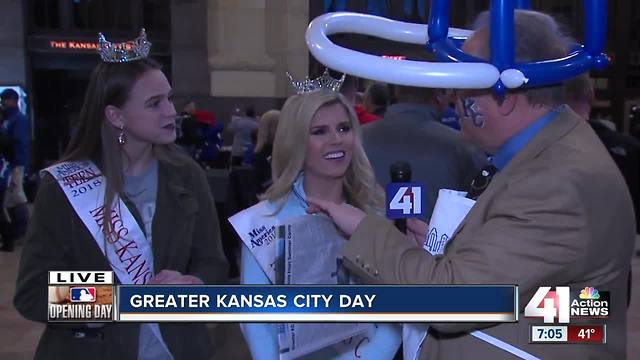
404	200
82	294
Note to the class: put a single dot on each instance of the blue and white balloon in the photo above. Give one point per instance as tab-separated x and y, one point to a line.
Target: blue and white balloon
456	69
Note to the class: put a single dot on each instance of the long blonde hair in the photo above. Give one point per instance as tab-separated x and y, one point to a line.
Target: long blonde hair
267	127
289	152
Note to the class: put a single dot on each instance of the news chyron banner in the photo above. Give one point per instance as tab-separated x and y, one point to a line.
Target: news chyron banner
80	296
336	303
92	296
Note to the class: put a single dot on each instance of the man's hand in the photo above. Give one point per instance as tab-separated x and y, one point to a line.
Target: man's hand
417	230
346	217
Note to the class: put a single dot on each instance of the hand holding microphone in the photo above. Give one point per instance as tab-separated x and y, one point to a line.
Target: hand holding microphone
400	172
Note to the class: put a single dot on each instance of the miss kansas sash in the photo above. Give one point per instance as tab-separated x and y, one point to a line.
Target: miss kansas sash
127	249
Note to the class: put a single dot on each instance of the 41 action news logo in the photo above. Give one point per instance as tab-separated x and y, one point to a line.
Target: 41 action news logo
549	305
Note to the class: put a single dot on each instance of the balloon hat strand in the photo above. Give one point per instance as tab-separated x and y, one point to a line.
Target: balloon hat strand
456	69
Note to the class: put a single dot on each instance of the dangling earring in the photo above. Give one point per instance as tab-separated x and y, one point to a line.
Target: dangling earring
121	138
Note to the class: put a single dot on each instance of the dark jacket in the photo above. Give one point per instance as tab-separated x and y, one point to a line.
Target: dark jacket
625	151
186	239
16	127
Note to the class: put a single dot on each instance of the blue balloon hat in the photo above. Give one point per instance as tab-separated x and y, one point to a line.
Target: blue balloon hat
457	69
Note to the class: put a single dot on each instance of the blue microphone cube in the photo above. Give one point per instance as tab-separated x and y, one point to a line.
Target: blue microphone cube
404	200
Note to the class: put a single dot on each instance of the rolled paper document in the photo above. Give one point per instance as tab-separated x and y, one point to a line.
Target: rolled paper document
450	209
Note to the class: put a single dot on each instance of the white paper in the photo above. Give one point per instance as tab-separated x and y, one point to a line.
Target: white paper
450	209
412	337
300	250
312	256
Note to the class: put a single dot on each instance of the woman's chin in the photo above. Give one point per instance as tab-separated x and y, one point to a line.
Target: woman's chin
165	140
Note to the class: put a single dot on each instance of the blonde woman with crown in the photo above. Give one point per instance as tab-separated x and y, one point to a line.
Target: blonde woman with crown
162	227
317	152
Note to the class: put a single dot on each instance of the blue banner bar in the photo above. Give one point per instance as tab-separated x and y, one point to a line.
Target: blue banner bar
440	303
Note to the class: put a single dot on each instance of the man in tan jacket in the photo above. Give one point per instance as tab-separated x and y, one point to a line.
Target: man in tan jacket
557	213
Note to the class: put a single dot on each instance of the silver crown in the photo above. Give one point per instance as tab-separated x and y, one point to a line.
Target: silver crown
323	82
125	51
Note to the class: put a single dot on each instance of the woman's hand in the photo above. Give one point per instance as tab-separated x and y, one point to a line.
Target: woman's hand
346	217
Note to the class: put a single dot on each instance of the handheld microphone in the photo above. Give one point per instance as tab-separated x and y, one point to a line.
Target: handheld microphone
400	172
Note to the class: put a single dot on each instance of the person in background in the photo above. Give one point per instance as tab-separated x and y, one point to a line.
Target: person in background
212	142
241	128
411	131
122	154
634	121
249	153
15	126
267	127
376	99
450	117
349	90
624	149
5	177
188	134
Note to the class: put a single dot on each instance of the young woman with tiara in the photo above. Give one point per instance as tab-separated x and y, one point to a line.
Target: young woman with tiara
318	153
122	199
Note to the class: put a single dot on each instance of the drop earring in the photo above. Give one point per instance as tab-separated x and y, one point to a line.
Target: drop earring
121	138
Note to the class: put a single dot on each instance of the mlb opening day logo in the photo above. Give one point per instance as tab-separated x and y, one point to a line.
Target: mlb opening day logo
558	306
80	296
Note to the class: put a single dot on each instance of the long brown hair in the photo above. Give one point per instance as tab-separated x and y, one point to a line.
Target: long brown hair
95	138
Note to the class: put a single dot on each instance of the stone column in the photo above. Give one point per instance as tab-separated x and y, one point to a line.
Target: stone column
12	46
189	48
252	43
287	25
238	61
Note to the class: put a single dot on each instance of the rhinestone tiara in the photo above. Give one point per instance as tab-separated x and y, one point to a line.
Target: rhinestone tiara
323	82
136	49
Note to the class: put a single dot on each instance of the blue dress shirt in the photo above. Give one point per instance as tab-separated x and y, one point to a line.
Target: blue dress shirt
511	147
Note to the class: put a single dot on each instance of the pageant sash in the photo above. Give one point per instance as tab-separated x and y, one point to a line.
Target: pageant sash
126	247
257	227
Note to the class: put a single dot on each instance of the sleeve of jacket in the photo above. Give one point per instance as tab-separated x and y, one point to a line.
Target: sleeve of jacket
208	261
530	227
44	249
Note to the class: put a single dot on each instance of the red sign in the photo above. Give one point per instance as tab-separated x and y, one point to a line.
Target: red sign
587	334
73	45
